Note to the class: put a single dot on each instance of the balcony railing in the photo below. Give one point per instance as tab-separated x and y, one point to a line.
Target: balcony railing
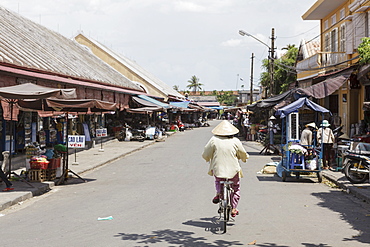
322	59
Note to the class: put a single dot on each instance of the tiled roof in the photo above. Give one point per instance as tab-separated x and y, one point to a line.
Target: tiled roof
26	44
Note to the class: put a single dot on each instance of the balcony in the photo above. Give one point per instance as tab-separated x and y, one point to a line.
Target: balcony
322	60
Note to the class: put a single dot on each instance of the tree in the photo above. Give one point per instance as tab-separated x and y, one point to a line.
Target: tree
226	98
284	72
364	50
176	87
194	84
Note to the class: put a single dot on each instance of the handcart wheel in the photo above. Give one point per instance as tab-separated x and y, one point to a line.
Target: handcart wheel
297	175
284	176
319	177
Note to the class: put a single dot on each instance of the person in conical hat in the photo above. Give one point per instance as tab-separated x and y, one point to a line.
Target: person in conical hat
326	137
223	151
307	134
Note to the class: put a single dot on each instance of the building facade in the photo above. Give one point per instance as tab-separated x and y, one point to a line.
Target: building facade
329	66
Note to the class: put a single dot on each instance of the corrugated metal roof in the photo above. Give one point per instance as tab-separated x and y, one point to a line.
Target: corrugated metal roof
136	68
27	44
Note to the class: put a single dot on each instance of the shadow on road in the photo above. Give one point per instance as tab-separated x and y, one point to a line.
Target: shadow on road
209	224
169	237
292	178
358	219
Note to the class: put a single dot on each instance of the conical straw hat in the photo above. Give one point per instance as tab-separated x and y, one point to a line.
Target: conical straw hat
225	128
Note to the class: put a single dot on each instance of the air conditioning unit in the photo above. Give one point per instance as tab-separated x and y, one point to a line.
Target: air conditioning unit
293	126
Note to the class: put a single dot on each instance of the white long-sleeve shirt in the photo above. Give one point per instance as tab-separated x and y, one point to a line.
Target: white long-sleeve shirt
224	153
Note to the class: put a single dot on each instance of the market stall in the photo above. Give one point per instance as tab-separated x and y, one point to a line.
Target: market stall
13	94
296	158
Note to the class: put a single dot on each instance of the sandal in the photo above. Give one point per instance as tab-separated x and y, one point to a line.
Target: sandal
234	212
216	199
8	189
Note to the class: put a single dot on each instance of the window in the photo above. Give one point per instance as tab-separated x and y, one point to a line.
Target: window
342	14
334	40
333	19
342	38
326	25
327	43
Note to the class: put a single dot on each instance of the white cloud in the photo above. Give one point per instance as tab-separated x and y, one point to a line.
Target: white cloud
232	42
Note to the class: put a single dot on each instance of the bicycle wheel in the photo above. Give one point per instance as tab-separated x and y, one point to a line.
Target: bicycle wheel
226	207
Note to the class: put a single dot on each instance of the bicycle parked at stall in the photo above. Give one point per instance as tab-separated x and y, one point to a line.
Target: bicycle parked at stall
225	204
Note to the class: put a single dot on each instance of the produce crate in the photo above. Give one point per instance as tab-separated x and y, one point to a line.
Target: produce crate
39	165
41	175
37	175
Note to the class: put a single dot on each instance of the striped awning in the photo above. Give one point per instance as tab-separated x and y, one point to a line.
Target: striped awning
326	87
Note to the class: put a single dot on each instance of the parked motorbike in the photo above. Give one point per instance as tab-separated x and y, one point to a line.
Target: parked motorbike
356	167
202	122
129	134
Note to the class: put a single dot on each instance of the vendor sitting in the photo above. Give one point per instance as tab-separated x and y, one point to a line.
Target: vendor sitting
306	136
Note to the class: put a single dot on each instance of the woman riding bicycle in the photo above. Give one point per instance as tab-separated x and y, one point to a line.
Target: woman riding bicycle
223	151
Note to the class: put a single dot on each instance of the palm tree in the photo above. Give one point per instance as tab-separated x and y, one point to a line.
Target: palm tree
176	87
194	84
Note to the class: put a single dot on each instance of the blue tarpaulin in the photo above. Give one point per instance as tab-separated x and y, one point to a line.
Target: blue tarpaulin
154	101
286	110
183	104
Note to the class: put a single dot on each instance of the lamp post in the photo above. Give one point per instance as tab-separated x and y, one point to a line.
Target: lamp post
271	55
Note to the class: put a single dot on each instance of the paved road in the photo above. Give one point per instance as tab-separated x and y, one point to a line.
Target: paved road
161	196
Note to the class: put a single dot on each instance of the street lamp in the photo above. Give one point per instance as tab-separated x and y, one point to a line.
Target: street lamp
271	55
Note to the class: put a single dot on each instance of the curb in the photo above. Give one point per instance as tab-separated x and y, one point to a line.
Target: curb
356	190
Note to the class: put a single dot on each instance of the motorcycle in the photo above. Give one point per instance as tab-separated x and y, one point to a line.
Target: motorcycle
356	167
202	122
127	134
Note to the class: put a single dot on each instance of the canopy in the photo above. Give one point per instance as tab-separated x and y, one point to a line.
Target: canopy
286	110
33	91
145	110
64	105
148	101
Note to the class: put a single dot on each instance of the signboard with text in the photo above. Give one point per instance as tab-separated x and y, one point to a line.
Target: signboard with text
101	132
76	141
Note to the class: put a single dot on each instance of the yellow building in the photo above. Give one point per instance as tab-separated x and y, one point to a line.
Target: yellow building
130	69
328	67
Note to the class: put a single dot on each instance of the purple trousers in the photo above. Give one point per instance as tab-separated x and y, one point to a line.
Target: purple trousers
235	194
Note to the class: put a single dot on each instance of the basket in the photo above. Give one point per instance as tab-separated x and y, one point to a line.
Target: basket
54	163
39	165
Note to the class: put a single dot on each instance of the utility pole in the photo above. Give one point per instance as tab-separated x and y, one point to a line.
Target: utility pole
272	57
251	89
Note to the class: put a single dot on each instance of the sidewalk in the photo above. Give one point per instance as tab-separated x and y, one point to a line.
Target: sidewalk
361	191
87	160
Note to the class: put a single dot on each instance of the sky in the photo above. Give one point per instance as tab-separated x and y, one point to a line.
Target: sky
176	39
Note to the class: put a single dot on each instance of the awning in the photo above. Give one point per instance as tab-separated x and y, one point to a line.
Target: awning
78	105
144	110
286	110
328	86
154	101
33	91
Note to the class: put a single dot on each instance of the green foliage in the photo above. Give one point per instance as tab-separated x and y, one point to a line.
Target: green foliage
283	74
194	84
364	50
176	87
226	98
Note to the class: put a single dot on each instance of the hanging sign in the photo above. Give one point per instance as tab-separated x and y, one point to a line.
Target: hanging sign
101	132
76	141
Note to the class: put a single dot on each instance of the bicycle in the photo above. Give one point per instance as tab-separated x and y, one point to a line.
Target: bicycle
225	204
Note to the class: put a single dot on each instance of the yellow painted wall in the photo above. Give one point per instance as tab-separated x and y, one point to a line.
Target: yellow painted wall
118	66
